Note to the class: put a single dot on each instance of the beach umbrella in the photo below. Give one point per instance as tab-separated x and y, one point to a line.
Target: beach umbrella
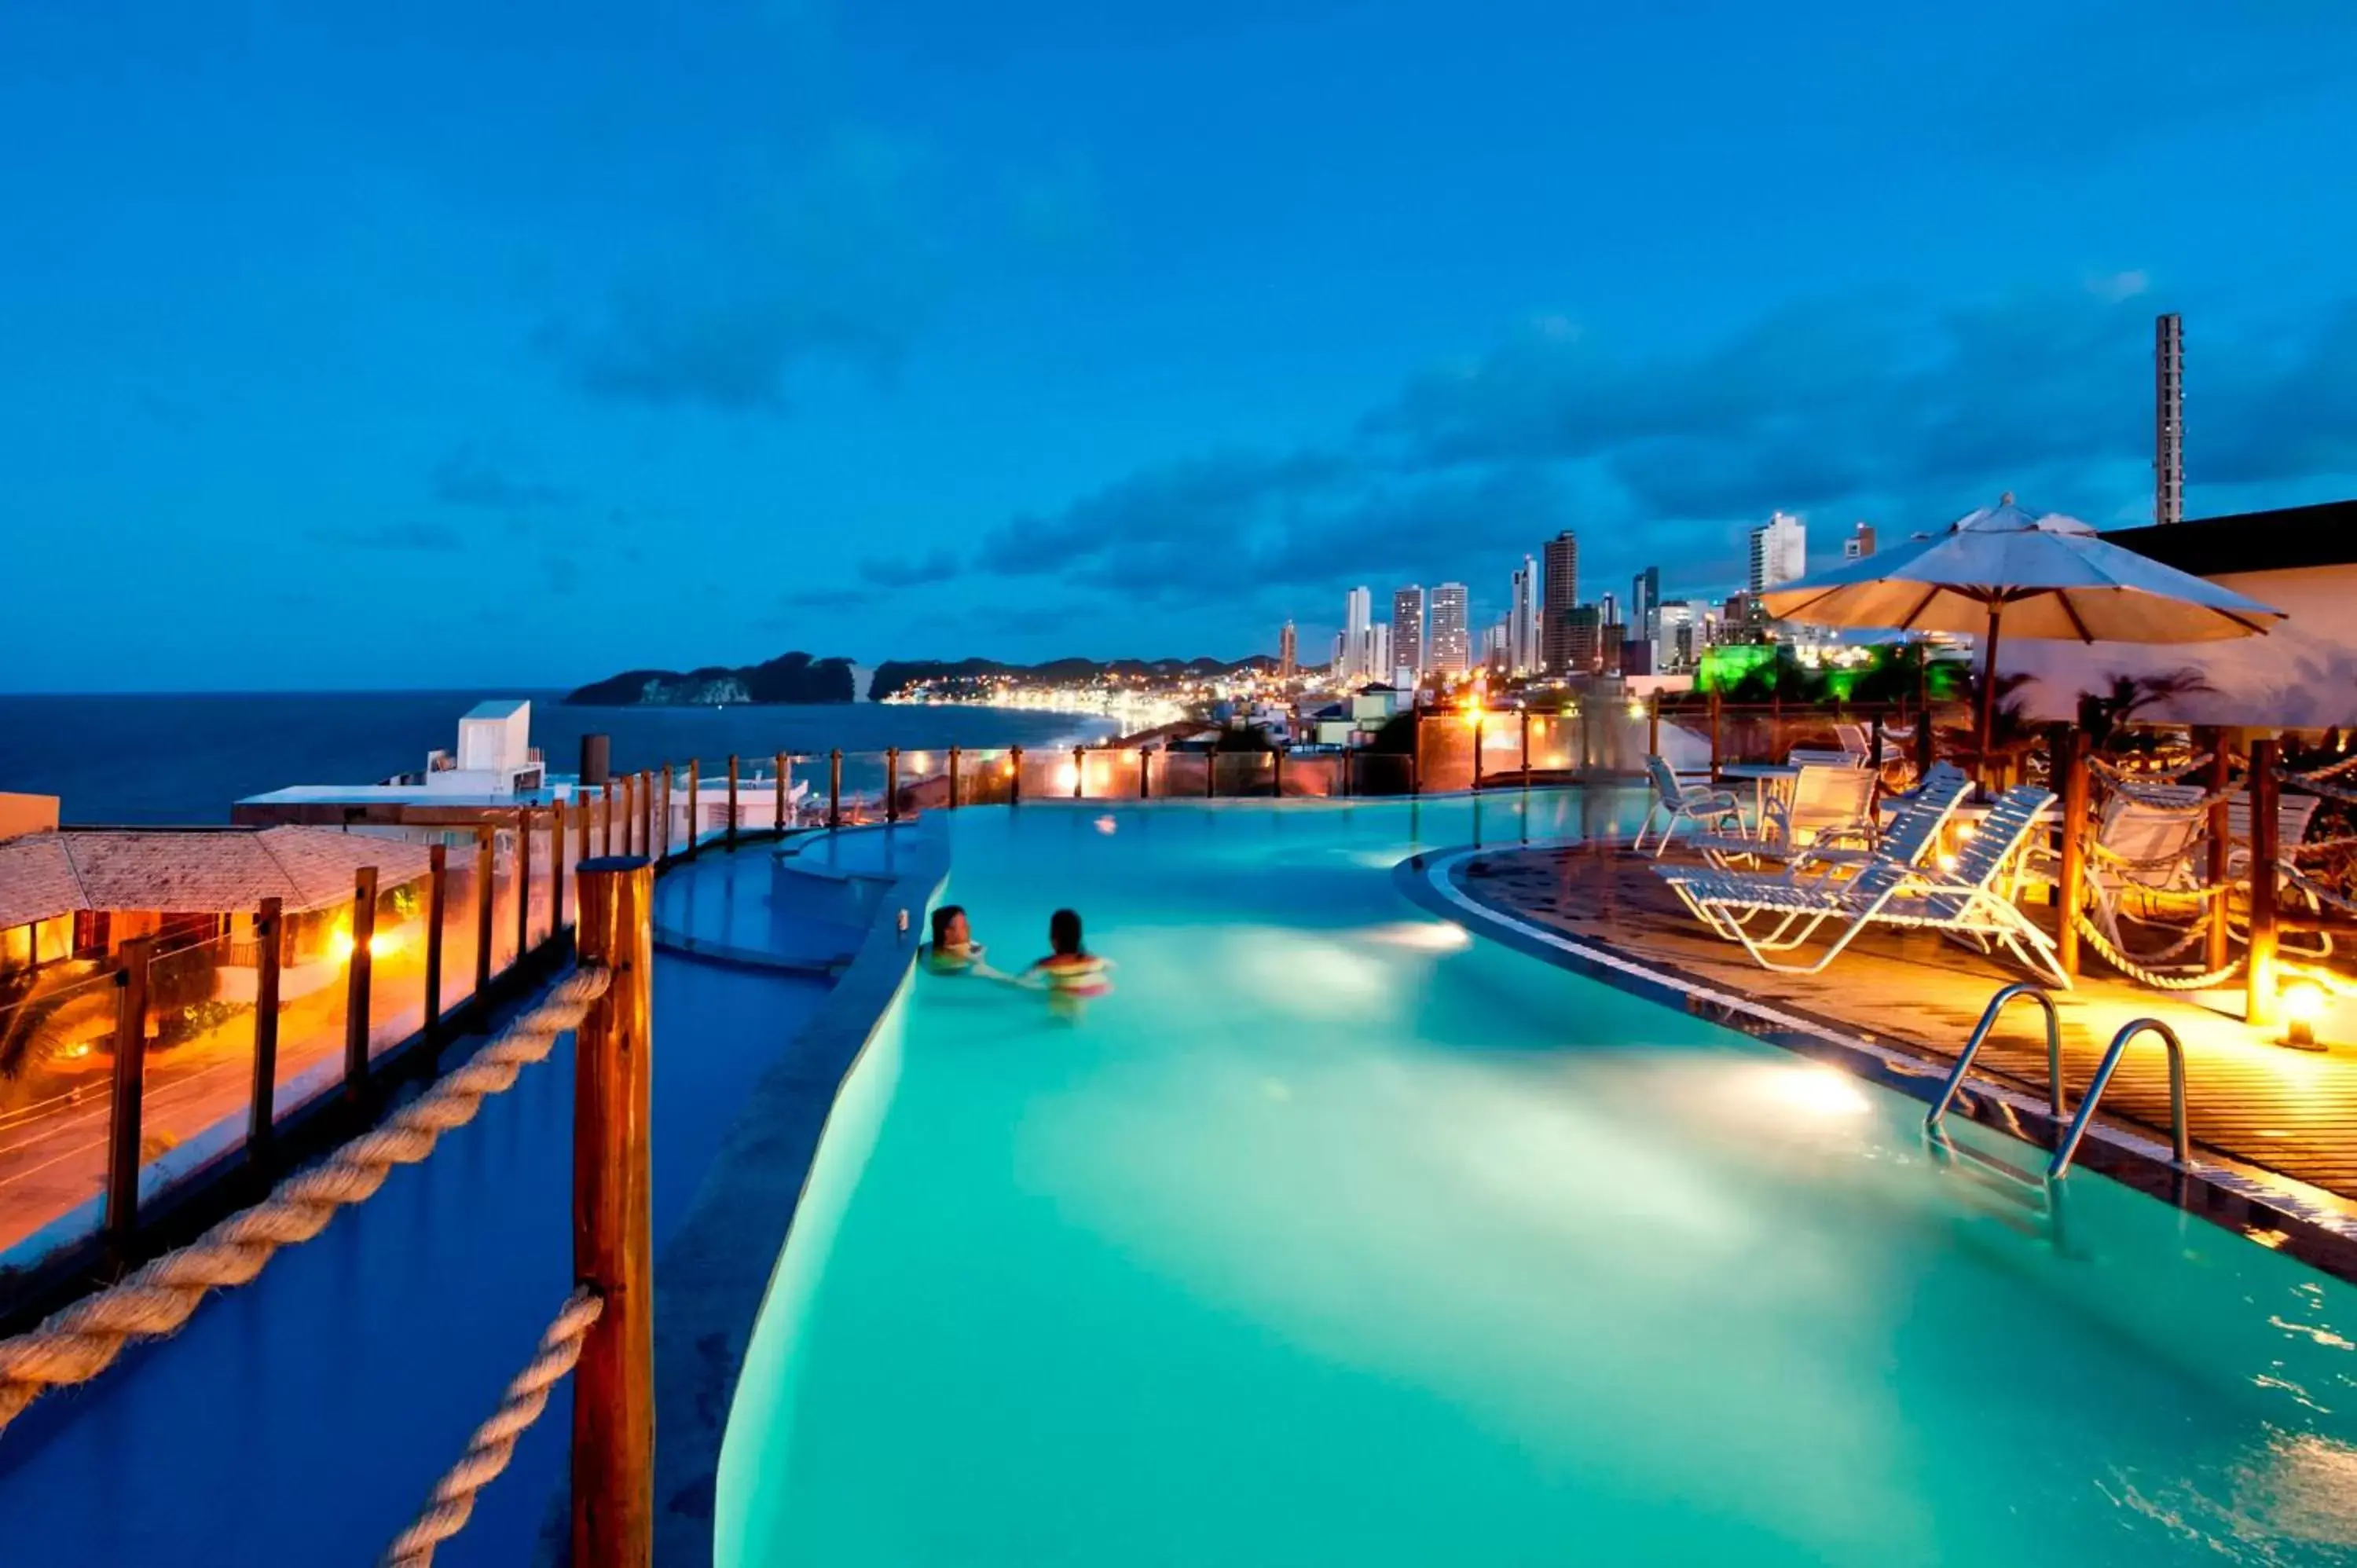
2003	571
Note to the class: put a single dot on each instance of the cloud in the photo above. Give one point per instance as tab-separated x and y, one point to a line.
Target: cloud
837	272
1858	407
2117	286
392	536
905	571
471	477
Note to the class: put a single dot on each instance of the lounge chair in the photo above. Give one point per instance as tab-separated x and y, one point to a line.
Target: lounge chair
1813	757
1969	898
1827	805
1911	834
1676	802
2142	853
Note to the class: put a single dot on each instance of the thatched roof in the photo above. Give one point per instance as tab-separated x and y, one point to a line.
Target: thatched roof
177	872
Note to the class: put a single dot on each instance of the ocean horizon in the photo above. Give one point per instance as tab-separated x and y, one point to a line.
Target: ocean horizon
186	757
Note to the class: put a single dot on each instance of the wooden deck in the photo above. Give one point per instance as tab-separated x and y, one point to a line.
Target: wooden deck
2287	1111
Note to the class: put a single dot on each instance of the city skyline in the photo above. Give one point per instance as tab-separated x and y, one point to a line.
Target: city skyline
924	338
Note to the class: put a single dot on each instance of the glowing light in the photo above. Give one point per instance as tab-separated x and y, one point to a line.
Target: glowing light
1473	713
1426	936
1947	863
1820	1092
918	761
340	945
1066	777
2303	1003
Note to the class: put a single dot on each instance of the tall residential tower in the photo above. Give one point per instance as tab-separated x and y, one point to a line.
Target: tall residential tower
2168	419
1562	594
1452	642
1408	652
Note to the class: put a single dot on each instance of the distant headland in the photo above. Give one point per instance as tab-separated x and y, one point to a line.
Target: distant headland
788	678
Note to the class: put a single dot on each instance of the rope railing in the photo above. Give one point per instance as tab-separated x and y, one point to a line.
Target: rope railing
2315	785
2160	980
2169	775
2329	770
78	1342
452	1501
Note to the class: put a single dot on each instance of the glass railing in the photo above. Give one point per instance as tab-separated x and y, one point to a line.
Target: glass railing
57	1067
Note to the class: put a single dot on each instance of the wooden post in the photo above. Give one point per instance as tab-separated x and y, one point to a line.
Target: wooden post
2222	773
523	879
585	808
891	783
2074	851
263	1119
2259	996
1478	728
692	770
1874	742
778	806
130	1081
953	777
605	828
1212	773
834	787
1715	706
556	864
487	846
1145	772
1276	771
357	979
629	812
1015	779
1079	770
437	895
646	814
613	1244
730	840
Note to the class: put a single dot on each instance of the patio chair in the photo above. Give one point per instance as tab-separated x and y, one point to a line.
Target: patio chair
1858	741
1911	835
2142	853
1826	804
1676	802
2293	815
1968	899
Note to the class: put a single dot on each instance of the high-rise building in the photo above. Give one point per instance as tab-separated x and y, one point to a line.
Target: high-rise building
1288	651
1496	644
1376	662
1673	636
1611	607
1644	598
1358	613
1561	595
1522	619
1583	640
1860	543
1407	630
1452	647
2168	419
1779	552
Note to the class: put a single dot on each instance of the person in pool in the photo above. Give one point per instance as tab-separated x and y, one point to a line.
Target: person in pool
1069	974
953	950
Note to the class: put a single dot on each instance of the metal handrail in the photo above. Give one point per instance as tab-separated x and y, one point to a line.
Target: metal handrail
1948	1091
2061	1164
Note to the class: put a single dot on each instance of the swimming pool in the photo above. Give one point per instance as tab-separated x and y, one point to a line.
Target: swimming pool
1336	1236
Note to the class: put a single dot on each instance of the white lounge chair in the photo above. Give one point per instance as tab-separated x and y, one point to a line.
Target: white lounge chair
1676	802
1907	839
1968	899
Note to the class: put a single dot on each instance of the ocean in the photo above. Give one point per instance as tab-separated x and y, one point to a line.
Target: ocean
185	758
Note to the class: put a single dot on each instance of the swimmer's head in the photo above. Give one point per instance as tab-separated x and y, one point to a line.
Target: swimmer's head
950	927
1064	933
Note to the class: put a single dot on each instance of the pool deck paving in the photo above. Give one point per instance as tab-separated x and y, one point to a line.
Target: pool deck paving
2250	1099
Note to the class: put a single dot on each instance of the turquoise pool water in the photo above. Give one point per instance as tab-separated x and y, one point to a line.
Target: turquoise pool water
1337	1237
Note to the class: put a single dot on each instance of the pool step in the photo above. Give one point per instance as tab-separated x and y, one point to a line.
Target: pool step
2022	1200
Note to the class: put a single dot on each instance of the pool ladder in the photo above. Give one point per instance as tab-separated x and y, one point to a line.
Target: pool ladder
2045	1189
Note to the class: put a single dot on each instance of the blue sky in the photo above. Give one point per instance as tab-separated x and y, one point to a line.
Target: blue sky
466	344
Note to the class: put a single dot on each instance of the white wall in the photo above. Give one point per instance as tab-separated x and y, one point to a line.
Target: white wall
2301	675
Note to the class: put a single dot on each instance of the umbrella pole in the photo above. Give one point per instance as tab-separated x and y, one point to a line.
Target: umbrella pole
1989	690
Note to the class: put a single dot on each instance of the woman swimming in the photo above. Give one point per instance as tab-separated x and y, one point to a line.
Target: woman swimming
1071	975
